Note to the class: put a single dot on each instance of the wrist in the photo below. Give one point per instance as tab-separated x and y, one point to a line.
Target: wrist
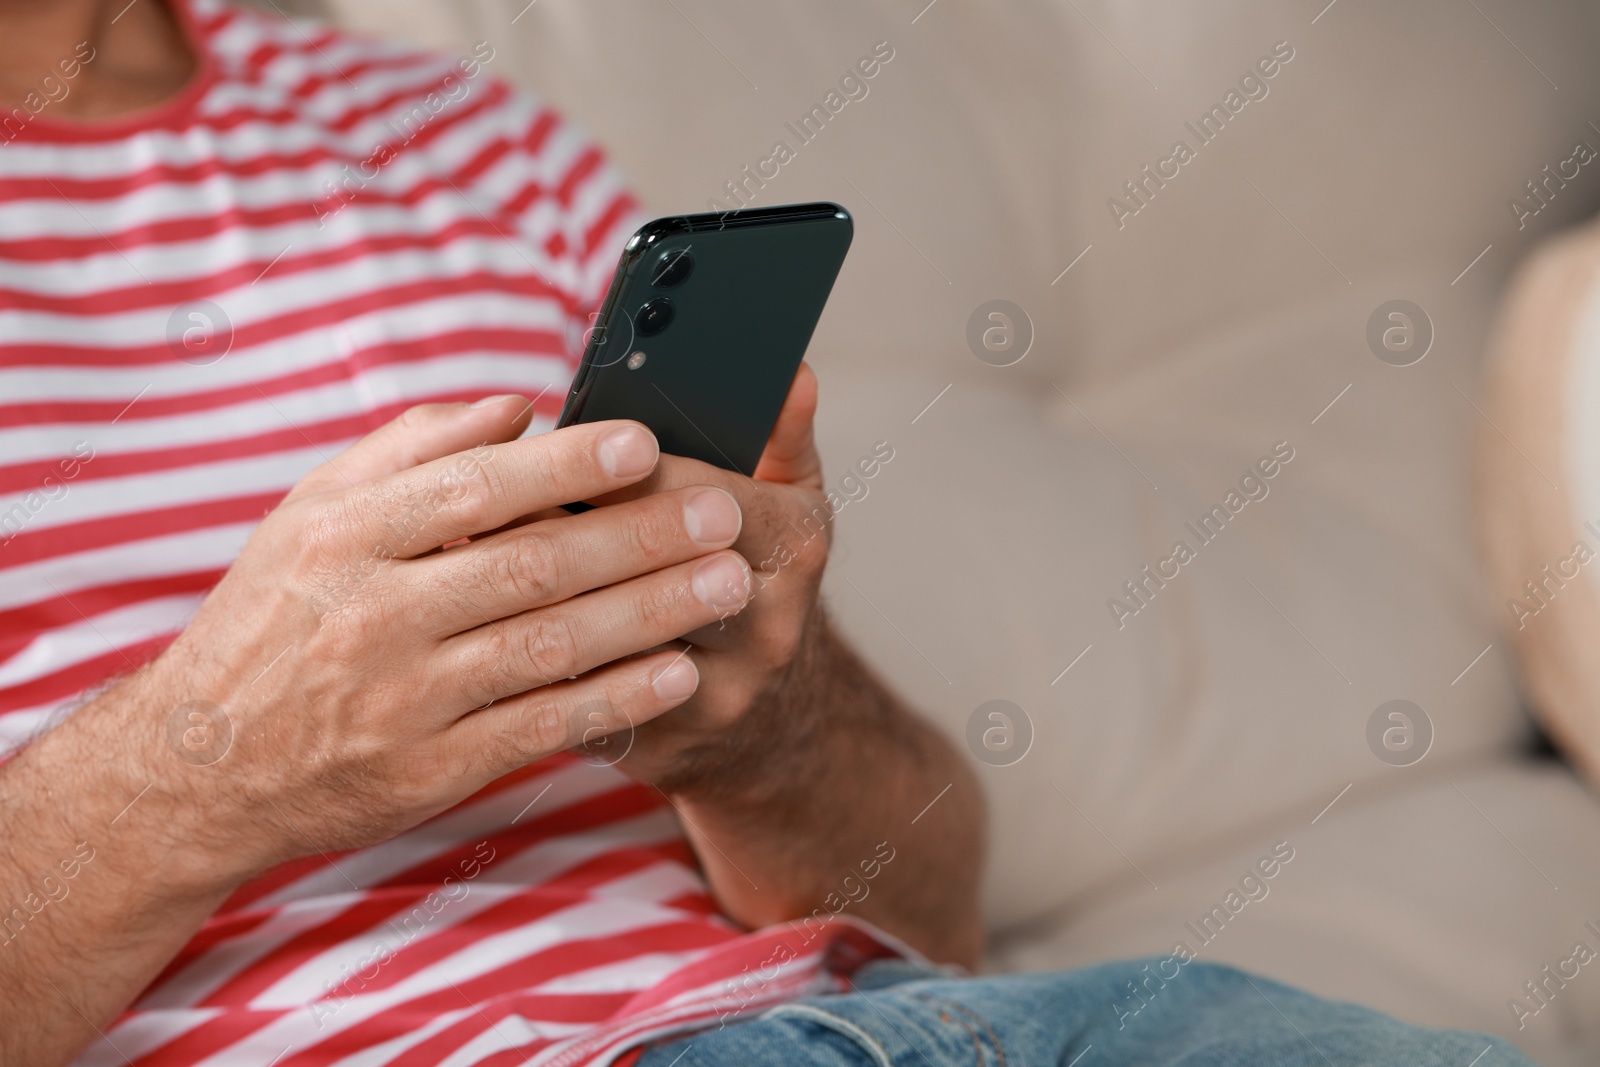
822	708
108	776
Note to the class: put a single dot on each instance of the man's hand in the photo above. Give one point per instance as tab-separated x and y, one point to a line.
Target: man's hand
792	766
362	677
743	656
372	681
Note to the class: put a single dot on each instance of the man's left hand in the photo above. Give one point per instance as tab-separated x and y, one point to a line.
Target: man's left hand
745	657
793	767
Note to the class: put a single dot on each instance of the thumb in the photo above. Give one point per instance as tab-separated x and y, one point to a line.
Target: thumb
420	435
791	452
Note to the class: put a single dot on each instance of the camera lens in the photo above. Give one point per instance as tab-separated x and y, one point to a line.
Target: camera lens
653	317
673	267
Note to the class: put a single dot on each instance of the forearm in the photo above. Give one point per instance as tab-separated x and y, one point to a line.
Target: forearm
96	890
791	818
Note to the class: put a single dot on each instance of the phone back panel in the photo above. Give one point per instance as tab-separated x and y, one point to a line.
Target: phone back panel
711	383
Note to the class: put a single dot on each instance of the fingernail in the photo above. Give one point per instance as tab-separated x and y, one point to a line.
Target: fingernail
677	680
711	517
628	452
722	583
486	401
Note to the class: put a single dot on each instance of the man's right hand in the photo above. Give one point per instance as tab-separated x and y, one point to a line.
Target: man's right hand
346	680
371	680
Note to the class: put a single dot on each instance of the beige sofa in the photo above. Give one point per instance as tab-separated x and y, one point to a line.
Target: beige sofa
1189	311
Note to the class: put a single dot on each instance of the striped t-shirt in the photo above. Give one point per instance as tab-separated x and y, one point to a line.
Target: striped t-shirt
198	304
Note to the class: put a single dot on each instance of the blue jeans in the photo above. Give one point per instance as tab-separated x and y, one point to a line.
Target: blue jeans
1205	1015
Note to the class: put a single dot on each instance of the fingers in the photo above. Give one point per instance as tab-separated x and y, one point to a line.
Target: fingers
484	489
790	456
567	639
548	562
783	505
607	703
791	452
785	528
418	435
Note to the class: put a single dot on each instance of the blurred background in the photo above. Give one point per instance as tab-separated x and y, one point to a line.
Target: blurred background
1078	339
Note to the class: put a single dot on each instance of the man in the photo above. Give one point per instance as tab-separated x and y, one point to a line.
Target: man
291	716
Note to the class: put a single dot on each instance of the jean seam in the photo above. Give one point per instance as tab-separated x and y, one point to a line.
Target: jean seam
946	1006
977	1043
869	1044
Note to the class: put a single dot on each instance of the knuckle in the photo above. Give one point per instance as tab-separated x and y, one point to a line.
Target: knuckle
507	750
414	782
539	729
344	636
325	563
468	492
320	534
529	569
414	418
492	667
547	646
655	532
393	514
547	729
664	607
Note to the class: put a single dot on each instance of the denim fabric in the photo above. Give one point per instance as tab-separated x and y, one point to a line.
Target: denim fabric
1205	1015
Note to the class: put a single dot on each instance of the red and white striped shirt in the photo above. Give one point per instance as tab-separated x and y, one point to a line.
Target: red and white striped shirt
199	303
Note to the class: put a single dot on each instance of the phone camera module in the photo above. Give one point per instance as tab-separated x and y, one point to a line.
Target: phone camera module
673	267
654	317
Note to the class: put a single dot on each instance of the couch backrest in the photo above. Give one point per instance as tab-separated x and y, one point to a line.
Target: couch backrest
1375	153
987	154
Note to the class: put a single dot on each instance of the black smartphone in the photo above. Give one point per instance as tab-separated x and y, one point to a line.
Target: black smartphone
705	324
